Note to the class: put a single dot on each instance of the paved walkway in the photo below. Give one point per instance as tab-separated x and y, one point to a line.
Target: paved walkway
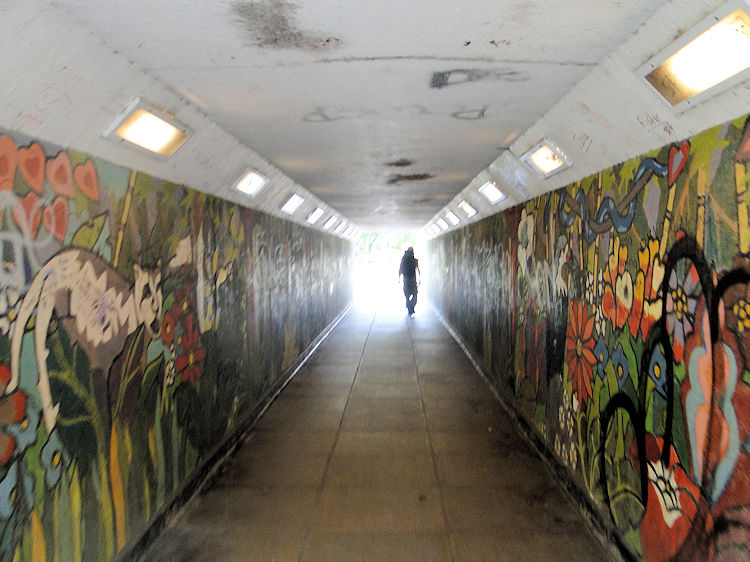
386	446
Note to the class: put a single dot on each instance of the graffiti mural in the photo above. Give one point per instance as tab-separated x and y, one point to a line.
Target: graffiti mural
624	303
140	322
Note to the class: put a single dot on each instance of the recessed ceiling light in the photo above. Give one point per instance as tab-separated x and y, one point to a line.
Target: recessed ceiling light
314	217
148	128
330	222
435	229
251	183
466	207
349	231
442	224
292	204
719	51
452	218
546	159
492	193
340	227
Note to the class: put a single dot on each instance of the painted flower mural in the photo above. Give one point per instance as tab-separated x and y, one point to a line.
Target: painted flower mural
579	350
188	364
617	301
98	315
682	298
656	356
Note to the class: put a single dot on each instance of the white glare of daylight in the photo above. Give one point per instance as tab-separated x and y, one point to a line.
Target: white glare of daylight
292	204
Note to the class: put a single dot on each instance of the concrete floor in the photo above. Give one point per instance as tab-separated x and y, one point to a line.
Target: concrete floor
386	446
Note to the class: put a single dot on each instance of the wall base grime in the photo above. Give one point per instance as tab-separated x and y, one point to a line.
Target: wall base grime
599	524
205	473
614	314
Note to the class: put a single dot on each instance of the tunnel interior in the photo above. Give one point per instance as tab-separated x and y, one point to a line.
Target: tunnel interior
157	314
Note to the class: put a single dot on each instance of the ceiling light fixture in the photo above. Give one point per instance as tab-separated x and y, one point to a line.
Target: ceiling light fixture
292	204
713	55
435	229
349	231
466	207
330	222
442	224
251	182
546	159
314	217
452	218
491	192
340	227
148	128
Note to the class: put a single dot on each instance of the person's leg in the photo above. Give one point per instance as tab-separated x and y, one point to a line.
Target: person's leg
411	299
407	293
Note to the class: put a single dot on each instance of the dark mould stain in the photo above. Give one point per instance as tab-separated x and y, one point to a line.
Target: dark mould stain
398	178
400	163
328	114
270	23
471	114
503	42
457	76
467	43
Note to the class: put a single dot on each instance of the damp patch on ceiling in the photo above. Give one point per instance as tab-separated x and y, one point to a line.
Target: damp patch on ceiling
457	76
271	24
400	163
398	178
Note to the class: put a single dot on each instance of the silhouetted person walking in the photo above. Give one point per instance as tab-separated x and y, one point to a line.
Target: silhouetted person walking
409	271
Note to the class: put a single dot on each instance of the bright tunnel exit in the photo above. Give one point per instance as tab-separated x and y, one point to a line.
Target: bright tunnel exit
377	287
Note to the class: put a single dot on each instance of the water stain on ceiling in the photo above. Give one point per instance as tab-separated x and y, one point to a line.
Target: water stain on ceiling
400	163
271	24
398	178
457	76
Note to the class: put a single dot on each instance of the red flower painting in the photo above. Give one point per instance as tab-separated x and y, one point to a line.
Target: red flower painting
188	363
579	350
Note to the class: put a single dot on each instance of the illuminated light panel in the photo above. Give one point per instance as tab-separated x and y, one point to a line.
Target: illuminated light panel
314	217
292	204
452	218
492	193
147	128
251	183
442	224
435	229
546	159
340	227
330	222
349	231
466	207
716	55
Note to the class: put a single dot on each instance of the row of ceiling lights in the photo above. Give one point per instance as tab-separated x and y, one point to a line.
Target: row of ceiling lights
546	159
713	56
159	133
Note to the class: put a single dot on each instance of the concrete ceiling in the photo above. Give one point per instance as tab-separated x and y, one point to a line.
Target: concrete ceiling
387	110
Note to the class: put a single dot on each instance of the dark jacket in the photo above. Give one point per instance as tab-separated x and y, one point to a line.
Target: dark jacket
409	266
